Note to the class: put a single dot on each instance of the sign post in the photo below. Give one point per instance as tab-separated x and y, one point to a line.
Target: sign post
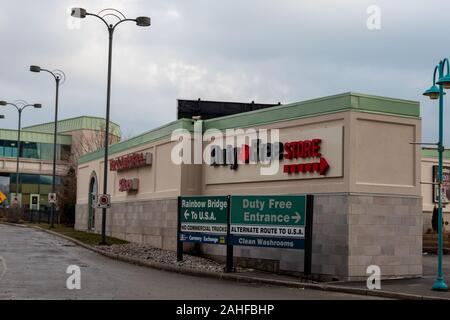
308	234
179	242
229	262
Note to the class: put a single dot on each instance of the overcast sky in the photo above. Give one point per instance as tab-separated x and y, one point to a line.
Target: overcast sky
238	50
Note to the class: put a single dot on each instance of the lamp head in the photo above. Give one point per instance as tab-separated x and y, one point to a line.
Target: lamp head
78	13
37	105
433	92
444	81
3	103
35	69
143	21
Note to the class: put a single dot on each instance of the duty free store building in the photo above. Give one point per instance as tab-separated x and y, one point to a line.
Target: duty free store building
368	206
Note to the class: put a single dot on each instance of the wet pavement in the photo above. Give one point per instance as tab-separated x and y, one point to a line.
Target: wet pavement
33	265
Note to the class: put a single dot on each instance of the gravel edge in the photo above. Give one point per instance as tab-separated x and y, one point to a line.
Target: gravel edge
241	278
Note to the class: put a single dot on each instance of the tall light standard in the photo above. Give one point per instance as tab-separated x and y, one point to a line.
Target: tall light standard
141	22
59	79
19	110
435	93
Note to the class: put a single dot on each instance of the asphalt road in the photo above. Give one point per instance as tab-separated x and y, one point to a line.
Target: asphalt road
36	264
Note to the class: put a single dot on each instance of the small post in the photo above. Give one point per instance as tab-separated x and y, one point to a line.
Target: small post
179	243
308	234
229	263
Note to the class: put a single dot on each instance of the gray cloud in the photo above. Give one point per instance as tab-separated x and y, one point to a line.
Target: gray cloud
267	51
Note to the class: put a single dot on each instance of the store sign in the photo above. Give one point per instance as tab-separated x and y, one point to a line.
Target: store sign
268	221
314	153
131	161
203	219
308	149
445	188
127	185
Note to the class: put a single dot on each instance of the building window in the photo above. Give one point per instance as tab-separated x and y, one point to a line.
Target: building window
34	150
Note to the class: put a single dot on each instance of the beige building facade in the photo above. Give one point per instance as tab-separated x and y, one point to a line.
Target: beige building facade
352	151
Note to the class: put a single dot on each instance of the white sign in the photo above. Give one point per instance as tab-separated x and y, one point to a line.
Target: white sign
103	201
15	201
52	198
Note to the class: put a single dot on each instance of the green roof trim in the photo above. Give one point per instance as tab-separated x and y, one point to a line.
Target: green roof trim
30	136
77	123
326	105
332	104
432	153
144	138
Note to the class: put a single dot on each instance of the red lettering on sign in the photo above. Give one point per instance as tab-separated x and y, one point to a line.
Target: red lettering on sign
288	149
316	148
130	161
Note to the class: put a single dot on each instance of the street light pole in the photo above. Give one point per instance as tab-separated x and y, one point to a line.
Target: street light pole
18	152
105	160
19	110
434	93
140	21
59	76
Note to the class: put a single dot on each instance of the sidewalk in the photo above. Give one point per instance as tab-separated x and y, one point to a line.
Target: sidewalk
421	286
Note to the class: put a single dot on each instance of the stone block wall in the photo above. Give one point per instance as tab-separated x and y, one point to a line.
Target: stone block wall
350	233
152	222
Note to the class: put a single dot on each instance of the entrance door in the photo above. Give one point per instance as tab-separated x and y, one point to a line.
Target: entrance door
34	202
91	209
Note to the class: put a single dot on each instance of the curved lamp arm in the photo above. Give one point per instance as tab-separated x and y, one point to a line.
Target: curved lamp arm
14	105
445	61
436	69
94	15
134	20
54	76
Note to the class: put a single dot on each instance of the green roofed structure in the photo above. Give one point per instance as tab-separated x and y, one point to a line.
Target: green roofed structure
76	136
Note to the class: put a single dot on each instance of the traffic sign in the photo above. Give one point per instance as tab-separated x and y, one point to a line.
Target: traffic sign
52	198
103	201
204	219
268	221
206	215
2	197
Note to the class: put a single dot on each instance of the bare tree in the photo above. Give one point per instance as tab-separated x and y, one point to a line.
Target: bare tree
90	141
82	142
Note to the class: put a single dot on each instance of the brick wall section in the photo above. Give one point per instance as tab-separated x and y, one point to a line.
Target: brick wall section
385	231
330	248
152	222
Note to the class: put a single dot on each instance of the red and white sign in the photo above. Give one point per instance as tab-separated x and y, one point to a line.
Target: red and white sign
103	201
127	185
130	161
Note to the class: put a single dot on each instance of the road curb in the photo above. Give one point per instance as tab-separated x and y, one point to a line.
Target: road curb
242	278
